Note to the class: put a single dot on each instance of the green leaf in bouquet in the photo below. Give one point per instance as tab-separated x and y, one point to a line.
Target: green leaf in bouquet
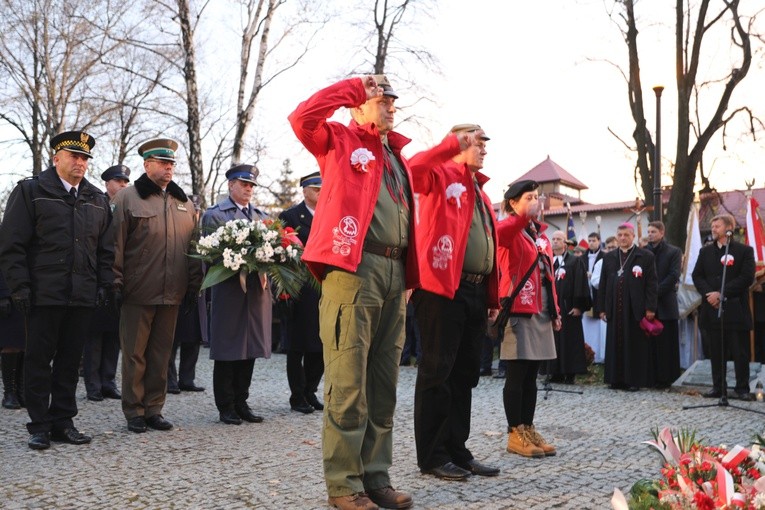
287	279
216	274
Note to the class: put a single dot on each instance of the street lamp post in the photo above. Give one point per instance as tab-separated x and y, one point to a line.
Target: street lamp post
657	203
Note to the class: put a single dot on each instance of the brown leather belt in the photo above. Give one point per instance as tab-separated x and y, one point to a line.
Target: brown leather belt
474	278
392	252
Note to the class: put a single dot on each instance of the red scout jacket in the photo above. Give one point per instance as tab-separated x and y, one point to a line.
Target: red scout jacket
516	252
445	212
351	163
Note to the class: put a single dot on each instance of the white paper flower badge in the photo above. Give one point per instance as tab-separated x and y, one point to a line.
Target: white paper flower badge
727	260
560	274
454	193
637	271
541	244
362	160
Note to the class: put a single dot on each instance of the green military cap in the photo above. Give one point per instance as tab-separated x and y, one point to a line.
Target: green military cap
159	148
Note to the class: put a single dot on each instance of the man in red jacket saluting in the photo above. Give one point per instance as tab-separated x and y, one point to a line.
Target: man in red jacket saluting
362	248
457	239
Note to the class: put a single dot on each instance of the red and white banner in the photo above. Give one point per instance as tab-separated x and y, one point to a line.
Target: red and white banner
755	230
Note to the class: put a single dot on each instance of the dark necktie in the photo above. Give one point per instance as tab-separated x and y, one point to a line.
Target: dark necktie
391	177
73	192
482	208
557	263
246	211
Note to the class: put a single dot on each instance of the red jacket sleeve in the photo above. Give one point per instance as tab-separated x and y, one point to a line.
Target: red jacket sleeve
422	163
309	120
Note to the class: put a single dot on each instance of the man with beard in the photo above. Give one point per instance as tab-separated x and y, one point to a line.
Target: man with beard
736	317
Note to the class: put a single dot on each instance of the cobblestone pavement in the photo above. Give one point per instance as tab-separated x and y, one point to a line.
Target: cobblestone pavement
204	464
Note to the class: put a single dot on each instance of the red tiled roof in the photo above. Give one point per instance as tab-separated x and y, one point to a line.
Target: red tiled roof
550	171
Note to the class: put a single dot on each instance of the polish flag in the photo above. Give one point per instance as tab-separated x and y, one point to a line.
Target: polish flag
755	230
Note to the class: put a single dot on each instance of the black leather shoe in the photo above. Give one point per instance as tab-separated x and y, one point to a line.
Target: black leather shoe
485	372
69	435
448	471
193	387
137	424
479	469
302	407
501	374
157	422
712	394
245	413
111	393
95	397
314	402
11	401
39	441
632	389
744	395
174	390
230	418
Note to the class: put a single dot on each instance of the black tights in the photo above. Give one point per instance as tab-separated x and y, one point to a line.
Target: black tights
520	392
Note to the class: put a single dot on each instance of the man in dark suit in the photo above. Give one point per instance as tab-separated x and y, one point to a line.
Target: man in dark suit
737	319
572	287
628	291
666	346
102	349
56	252
305	362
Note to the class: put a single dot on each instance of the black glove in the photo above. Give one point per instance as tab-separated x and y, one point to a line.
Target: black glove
102	297
22	300
117	299
189	302
5	307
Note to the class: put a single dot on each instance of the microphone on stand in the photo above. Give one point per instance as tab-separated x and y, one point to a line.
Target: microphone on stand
728	233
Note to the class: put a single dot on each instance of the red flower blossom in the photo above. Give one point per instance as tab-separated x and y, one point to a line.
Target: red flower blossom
703	502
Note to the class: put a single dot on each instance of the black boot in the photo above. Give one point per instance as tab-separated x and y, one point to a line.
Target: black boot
9	361
20	380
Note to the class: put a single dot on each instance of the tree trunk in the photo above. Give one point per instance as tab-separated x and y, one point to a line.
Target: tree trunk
196	165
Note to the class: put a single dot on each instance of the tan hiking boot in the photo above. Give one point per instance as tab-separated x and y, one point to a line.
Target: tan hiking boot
536	438
518	442
358	501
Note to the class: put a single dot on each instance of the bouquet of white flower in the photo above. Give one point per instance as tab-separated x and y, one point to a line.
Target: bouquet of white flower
263	246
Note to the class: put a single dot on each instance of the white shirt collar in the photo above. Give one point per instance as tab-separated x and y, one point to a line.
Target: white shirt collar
68	186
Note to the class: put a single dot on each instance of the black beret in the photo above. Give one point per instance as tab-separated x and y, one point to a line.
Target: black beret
116	172
518	188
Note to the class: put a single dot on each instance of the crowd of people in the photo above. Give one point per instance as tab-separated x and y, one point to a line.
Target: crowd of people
438	277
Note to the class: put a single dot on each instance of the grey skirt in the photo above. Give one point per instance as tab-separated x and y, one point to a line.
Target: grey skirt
529	337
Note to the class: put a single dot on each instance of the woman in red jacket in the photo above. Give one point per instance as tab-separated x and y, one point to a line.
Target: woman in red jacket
529	301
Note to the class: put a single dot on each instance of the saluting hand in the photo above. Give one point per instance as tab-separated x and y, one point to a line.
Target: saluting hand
370	85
